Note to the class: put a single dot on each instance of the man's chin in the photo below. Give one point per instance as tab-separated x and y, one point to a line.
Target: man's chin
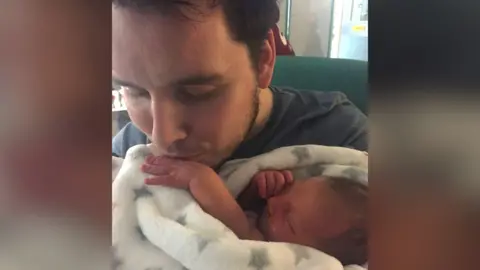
214	163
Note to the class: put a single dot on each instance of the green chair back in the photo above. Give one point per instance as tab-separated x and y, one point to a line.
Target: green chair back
324	74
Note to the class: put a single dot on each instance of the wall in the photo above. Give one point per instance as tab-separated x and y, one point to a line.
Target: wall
283	7
309	27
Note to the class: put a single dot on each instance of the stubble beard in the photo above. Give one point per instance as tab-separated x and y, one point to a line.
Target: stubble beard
252	117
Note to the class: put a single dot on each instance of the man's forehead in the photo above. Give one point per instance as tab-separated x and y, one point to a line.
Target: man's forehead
163	6
180	14
156	47
156	51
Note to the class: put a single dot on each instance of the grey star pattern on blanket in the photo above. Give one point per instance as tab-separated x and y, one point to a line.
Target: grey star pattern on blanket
315	170
140	233
300	253
203	242
182	220
142	192
259	258
301	153
116	261
354	174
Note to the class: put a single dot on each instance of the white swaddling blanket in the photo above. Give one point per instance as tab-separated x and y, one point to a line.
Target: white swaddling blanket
164	228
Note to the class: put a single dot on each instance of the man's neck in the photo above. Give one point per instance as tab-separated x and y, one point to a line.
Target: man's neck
265	101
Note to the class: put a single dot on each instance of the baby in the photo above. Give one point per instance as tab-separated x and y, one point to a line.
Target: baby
326	213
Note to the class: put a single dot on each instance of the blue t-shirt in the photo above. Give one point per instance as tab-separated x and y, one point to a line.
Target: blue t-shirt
298	117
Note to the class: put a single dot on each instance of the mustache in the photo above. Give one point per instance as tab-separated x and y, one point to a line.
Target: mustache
181	149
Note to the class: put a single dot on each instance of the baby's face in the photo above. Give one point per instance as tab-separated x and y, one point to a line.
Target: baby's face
305	213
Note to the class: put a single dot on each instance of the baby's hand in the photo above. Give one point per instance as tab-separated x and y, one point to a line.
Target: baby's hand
176	173
271	183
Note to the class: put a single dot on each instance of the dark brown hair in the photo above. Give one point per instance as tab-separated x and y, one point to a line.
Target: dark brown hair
248	20
352	246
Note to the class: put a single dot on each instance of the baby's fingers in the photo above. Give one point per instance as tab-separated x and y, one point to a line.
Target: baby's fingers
166	180
155	169
288	176
261	183
280	183
157	160
271	184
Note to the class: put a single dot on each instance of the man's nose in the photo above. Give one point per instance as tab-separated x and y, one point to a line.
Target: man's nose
168	126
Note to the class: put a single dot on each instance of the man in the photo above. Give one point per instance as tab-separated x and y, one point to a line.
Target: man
282	47
196	79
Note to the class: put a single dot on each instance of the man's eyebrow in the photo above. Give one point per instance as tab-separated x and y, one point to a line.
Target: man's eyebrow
191	80
200	79
117	83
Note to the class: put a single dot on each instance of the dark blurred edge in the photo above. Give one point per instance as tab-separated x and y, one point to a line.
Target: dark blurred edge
423	73
78	103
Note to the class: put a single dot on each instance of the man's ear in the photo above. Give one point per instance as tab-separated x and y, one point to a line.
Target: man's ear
266	61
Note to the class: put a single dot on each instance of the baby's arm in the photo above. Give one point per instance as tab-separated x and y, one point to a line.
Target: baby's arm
216	200
206	187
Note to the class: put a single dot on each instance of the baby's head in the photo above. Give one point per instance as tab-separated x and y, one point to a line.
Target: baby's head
326	213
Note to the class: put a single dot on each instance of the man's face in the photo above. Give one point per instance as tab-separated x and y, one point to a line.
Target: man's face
187	84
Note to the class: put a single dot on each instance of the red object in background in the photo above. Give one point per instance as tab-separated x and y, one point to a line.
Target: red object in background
283	47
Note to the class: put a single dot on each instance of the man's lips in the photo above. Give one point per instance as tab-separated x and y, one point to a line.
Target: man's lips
183	157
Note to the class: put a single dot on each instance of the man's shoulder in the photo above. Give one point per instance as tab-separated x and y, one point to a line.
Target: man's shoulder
127	137
311	99
312	104
320	117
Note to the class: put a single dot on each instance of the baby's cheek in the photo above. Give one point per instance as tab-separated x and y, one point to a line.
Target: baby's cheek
288	236
303	238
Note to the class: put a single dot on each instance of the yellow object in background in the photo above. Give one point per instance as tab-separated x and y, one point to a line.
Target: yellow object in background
359	28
